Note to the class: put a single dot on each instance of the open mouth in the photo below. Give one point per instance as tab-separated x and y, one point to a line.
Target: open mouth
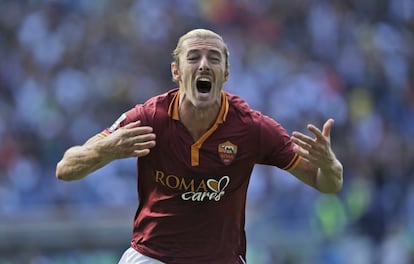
203	85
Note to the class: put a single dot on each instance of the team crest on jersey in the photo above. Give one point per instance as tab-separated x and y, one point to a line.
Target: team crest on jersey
227	152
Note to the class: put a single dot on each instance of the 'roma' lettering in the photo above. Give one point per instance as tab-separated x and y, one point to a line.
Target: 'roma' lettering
174	182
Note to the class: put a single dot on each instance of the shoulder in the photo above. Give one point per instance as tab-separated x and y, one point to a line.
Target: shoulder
155	106
240	108
146	112
159	100
237	102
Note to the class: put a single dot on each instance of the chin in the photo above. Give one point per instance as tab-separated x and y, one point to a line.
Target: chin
207	103
204	104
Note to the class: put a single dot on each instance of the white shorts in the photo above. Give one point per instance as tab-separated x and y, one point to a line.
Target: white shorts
131	256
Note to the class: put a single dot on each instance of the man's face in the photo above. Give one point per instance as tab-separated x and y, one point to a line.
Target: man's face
201	71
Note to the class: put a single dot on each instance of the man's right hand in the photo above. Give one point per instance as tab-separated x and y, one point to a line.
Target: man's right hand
132	140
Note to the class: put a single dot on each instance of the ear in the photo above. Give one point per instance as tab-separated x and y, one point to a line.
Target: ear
175	72
227	73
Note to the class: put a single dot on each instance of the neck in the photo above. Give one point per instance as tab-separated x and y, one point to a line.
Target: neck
198	120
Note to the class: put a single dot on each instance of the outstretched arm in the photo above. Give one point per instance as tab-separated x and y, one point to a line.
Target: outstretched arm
319	166
131	140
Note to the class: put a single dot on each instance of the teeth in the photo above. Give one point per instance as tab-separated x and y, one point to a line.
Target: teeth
204	79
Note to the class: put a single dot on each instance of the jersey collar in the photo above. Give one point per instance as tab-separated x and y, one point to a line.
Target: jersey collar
174	114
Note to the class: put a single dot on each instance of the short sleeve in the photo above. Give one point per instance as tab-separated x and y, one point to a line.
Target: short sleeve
275	145
132	115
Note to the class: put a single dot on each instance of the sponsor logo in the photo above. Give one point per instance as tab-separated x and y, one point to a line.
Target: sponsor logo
192	190
227	152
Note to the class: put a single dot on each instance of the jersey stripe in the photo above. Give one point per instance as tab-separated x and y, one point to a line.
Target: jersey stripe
293	163
195	148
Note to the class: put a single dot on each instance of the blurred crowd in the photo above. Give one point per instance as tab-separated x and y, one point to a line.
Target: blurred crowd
69	68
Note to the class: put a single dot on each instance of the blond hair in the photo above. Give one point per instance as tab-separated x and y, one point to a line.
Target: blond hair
202	34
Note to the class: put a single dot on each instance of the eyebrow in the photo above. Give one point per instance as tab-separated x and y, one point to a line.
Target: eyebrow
213	51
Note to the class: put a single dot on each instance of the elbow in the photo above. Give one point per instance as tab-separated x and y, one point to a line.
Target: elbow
61	177
61	172
339	185
335	188
336	183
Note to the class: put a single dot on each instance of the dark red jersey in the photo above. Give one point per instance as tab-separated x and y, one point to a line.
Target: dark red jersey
192	194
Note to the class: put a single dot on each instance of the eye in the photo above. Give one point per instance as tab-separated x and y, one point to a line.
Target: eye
192	58
215	60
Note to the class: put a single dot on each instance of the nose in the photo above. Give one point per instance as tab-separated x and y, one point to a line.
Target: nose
204	66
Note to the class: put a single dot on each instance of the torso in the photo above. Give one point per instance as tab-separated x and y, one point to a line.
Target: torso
192	186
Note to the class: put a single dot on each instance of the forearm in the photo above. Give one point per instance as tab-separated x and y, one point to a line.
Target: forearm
132	140
330	178
79	161
326	180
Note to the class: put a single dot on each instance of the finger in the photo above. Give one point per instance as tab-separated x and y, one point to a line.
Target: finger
316	131
301	152
302	144
326	130
306	155
143	138
145	145
303	137
139	149
141	130
133	124
143	149
141	153
137	125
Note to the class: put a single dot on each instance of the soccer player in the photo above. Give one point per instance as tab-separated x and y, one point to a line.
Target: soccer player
196	148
